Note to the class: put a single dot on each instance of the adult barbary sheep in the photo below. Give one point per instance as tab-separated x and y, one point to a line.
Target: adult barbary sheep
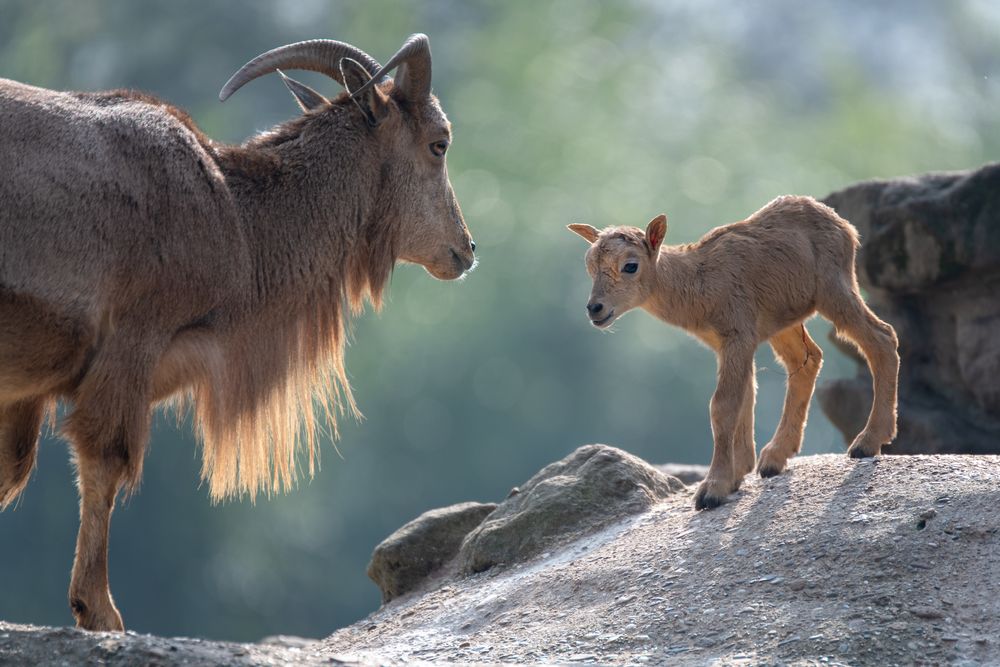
740	285
141	261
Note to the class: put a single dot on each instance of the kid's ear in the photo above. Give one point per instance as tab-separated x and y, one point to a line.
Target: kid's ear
306	97
586	231
655	231
372	103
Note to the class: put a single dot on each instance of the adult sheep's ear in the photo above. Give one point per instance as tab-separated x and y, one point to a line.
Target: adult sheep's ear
307	98
655	231
372	103
586	231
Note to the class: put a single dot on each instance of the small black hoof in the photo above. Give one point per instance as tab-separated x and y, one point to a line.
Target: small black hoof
858	453
704	501
769	471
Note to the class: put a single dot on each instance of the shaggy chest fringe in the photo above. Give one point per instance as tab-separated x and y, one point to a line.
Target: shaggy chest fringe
281	378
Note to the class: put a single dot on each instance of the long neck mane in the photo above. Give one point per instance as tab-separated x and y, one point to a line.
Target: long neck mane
311	214
318	243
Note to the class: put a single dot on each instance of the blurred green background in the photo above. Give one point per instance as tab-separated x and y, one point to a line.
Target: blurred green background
563	111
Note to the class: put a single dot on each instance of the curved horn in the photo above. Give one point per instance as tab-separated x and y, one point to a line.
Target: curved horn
317	55
414	62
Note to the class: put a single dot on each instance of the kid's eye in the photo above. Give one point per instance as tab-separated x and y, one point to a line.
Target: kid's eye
631	267
439	148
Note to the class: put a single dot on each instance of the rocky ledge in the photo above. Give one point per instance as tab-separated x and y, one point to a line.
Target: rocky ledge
892	560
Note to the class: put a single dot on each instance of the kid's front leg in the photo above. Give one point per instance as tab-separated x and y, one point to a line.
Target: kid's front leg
735	387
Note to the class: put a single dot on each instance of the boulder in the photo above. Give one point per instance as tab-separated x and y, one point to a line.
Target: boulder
687	473
930	266
578	494
417	550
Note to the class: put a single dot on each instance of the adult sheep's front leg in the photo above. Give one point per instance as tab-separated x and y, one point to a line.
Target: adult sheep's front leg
734	388
108	429
100	479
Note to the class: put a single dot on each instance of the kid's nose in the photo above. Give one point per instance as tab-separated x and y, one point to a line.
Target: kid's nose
594	307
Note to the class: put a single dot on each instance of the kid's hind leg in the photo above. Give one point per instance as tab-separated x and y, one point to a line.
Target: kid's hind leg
877	340
802	359
19	426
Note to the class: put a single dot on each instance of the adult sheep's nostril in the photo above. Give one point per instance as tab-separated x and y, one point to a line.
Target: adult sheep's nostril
472	244
594	308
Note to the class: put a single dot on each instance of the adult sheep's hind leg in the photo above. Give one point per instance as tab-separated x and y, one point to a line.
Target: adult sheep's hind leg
855	321
802	359
19	426
108	429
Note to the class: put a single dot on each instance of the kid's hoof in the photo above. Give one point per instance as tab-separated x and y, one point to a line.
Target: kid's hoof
770	471
864	446
706	499
707	502
771	463
860	453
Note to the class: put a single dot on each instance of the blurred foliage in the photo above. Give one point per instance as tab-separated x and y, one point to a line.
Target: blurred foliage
563	111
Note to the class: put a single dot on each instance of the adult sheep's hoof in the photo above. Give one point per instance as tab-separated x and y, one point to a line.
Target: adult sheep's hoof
100	618
710	494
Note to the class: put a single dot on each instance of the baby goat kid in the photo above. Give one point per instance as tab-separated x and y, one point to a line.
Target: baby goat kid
740	285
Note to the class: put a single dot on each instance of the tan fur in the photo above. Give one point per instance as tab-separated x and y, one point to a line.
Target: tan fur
142	262
742	284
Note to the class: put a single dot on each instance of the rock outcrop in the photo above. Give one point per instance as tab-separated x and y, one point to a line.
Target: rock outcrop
930	264
687	473
417	550
890	561
584	491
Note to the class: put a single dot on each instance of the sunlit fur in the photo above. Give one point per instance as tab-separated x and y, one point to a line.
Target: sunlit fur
740	285
143	263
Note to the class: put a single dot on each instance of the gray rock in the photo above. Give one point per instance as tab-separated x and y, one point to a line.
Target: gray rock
406	558
930	264
687	473
288	641
580	493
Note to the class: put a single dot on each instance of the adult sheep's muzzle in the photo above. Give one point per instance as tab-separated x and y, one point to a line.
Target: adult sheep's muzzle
465	260
454	265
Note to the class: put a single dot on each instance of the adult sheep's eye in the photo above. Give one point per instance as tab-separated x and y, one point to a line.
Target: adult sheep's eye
439	148
631	267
